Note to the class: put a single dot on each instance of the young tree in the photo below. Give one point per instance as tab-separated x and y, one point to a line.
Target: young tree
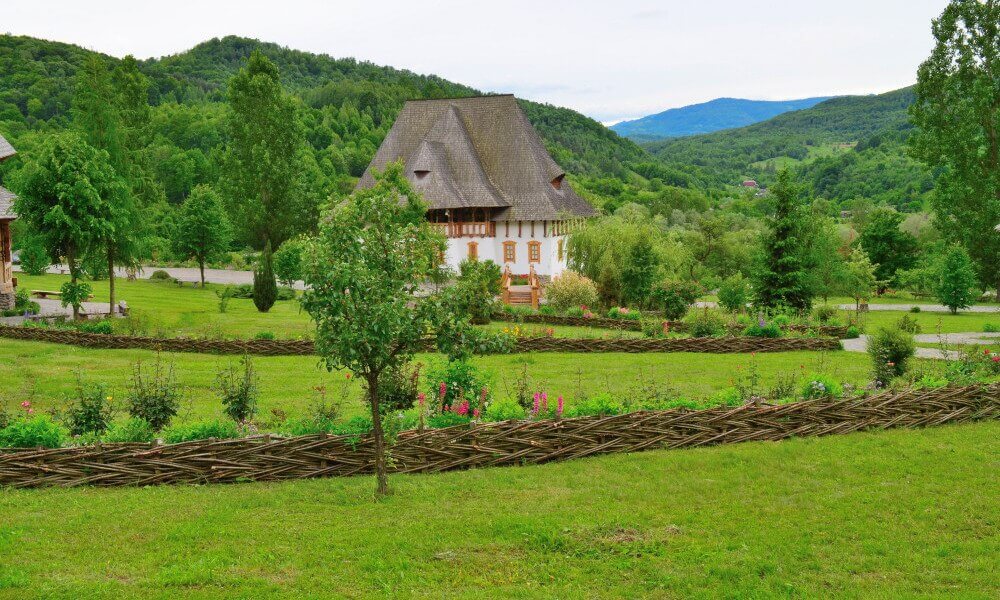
135	130
957	115
824	260
264	159
956	284
640	272
859	279
888	246
288	262
779	278
65	193
203	229
265	287
362	272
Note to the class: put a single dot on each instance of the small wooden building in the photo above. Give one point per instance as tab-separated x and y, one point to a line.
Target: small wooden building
490	185
7	281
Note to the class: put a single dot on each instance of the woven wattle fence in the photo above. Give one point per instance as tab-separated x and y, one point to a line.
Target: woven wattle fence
268	458
837	331
524	344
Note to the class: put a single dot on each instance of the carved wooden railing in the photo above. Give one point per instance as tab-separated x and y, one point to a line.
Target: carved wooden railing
536	286
458	229
505	280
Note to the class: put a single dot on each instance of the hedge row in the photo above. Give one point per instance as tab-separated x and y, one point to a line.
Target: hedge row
837	331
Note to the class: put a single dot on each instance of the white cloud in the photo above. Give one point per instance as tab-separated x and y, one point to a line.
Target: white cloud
610	60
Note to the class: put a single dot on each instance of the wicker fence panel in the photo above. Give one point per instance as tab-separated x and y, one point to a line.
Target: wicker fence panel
837	331
268	458
524	344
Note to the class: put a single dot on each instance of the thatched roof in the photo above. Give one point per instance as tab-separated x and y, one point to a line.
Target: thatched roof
6	150
478	153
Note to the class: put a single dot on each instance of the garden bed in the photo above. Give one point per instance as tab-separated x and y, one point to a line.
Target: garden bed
271	458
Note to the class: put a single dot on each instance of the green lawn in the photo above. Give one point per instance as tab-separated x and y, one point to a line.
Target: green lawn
45	373
932	322
172	310
887	515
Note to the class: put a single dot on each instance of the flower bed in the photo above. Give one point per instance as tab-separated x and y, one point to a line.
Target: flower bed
271	458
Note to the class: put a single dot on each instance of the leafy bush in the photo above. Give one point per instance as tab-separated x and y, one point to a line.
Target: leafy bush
734	293
461	380
546	309
358	426
160	275
817	386
398	388
220	430
265	287
130	430
991	328
103	327
675	297
476	289
763	329
264	335
852	332
914	309
621	312
239	388
504	409
447	419
570	290
34	432
705	324
781	320
224	295
90	410
74	294
825	313
288	261
890	350
599	405
726	397
908	324
34	257
154	396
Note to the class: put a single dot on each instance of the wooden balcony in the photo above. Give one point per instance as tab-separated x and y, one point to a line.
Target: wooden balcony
457	229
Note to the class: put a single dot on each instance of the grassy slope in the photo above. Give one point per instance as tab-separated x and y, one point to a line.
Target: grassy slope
46	373
889	514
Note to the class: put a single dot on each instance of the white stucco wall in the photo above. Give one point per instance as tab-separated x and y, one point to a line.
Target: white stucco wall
491	248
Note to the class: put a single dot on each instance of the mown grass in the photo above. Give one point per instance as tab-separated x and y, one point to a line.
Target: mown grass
46	373
888	514
932	322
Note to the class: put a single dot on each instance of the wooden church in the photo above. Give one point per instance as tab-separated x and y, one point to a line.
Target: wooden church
7	281
490	184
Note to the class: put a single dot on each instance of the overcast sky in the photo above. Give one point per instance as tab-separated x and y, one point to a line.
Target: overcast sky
610	59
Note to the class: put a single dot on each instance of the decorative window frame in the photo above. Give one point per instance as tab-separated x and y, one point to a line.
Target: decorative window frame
559	249
510	252
534	251
473	251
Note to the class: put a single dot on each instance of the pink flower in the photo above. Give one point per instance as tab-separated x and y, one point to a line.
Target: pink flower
463	408
559	406
534	407
26	404
475	413
442	390
545	402
420	398
996	359
31	411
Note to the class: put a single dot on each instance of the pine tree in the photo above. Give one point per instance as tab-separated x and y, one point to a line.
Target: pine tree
780	277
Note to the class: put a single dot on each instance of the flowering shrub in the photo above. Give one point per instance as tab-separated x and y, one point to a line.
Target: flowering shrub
570	290
90	411
890	350
763	329
32	432
621	312
455	384
674	297
816	387
705	324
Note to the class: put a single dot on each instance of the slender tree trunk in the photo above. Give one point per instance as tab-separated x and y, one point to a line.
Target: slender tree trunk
382	479
111	282
71	264
201	267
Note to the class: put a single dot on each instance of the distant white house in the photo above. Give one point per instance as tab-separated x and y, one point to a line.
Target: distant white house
491	186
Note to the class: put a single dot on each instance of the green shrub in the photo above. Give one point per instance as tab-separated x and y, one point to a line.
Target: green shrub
34	432
239	388
547	309
991	328
726	397
570	290
890	350
575	311
504	409
781	320
447	419
763	329
160	275
476	289
627	314
675	297
914	309
852	332
705	324
734	293
908	324
462	381
288	261
825	313
224	295
130	430
398	388
358	426
264	335
155	395
220	430
34	257
818	386
599	405
90	411
103	327
265	287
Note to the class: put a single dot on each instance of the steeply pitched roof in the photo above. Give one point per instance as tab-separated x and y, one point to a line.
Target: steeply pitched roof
6	204
477	152
6	150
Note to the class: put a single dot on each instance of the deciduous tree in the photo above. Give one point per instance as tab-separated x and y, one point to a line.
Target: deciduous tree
203	229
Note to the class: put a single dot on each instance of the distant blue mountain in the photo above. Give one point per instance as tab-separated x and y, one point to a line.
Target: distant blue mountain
721	113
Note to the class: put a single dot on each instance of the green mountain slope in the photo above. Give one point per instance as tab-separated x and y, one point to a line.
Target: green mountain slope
845	148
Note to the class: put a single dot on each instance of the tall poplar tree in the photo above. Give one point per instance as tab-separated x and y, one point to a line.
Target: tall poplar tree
957	114
264	159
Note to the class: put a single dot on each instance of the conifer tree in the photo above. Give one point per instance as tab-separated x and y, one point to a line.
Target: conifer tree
779	277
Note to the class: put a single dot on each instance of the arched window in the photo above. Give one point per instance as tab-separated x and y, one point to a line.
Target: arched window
534	251
509	254
473	251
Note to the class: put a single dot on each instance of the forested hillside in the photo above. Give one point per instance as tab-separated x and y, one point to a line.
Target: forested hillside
347	108
845	147
706	117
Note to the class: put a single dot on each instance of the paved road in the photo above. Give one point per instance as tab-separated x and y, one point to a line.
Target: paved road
937	308
860	344
188	274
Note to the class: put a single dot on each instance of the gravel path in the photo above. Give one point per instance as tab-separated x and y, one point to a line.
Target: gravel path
860	344
937	308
